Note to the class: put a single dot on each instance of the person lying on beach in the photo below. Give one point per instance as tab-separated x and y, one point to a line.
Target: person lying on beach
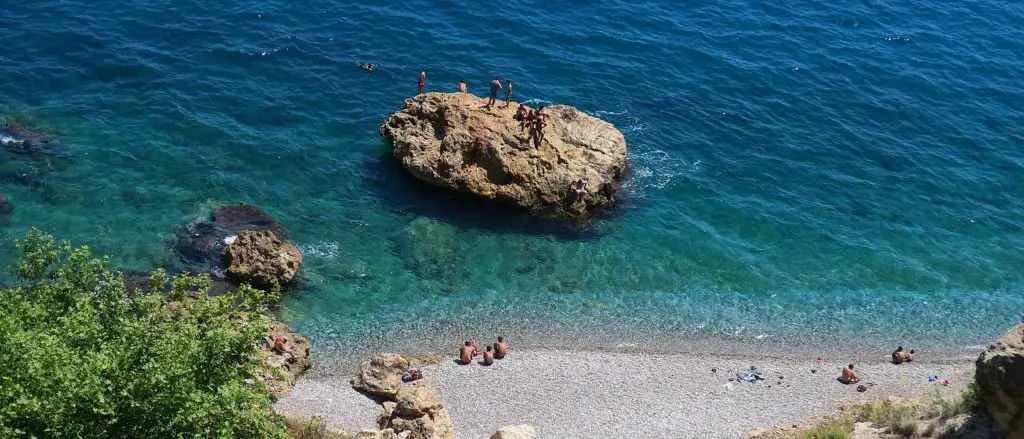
898	357
467	352
500	348
281	347
488	357
908	357
849	376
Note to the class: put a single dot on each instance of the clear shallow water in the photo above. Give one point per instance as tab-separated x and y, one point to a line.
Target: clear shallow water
798	171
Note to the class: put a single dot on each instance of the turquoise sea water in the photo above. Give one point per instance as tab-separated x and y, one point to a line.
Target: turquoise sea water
798	170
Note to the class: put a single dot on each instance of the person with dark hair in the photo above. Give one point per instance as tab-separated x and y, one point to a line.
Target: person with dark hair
495	87
488	357
500	348
423	81
467	352
522	116
909	356
898	357
849	376
508	92
462	86
540	121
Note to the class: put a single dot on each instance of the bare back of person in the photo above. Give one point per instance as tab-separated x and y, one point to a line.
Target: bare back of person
500	350
488	358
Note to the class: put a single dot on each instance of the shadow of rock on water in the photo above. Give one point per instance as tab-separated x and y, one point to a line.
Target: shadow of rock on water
401	192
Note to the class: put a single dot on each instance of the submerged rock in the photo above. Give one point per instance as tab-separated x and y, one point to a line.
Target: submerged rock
449	140
429	248
18	138
1000	374
6	207
259	259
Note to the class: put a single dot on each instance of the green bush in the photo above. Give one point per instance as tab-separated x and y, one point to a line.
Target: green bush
80	357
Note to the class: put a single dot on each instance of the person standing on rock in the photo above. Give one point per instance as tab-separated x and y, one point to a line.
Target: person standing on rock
508	92
423	81
495	87
462	86
540	121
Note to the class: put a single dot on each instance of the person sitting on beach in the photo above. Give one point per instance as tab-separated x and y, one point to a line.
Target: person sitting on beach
281	347
462	86
898	357
908	357
467	352
488	357
500	348
849	376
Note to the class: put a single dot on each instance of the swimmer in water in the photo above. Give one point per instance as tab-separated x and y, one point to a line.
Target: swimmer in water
368	67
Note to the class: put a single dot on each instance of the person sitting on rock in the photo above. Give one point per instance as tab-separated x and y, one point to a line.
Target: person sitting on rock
281	347
500	348
523	116
579	187
849	376
898	357
488	357
467	352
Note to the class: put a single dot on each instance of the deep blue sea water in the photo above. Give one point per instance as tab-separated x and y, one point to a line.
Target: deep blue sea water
799	170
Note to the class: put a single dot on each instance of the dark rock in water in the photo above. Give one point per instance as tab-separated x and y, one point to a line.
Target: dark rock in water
429	249
202	244
238	217
19	139
5	206
15	171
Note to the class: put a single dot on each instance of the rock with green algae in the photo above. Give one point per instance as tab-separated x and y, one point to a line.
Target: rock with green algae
429	248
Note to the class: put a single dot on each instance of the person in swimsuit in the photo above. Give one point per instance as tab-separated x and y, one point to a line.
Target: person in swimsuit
281	347
849	376
508	92
500	348
909	356
898	357
495	87
466	353
423	81
368	67
540	121
462	86
488	357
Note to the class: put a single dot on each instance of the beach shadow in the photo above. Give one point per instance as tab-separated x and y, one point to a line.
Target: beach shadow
401	192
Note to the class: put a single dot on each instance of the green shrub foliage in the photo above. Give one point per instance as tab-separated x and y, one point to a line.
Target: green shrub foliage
80	357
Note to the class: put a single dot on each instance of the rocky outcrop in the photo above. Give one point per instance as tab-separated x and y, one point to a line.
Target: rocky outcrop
280	371
1000	374
381	375
260	259
411	411
450	140
211	244
515	432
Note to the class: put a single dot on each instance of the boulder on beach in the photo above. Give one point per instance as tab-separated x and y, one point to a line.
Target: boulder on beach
515	432
381	375
1000	374
260	259
451	140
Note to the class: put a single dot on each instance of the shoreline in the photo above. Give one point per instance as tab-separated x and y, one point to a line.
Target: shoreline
583	392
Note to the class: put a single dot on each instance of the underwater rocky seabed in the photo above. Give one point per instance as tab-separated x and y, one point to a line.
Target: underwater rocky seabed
840	172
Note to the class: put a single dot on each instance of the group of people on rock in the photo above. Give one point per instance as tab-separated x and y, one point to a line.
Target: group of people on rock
535	120
471	350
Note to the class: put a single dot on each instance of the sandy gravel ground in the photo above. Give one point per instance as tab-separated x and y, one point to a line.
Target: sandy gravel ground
599	394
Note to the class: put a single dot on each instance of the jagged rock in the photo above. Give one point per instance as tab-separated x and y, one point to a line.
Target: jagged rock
437	425
18	138
515	432
448	140
281	371
416	401
381	375
1000	374
201	243
262	260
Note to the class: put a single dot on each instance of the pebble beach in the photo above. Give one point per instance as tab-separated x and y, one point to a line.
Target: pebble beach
569	394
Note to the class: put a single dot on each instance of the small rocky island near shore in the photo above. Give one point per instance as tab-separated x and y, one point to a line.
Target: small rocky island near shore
454	141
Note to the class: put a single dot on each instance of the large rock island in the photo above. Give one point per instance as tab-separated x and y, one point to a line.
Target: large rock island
453	141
